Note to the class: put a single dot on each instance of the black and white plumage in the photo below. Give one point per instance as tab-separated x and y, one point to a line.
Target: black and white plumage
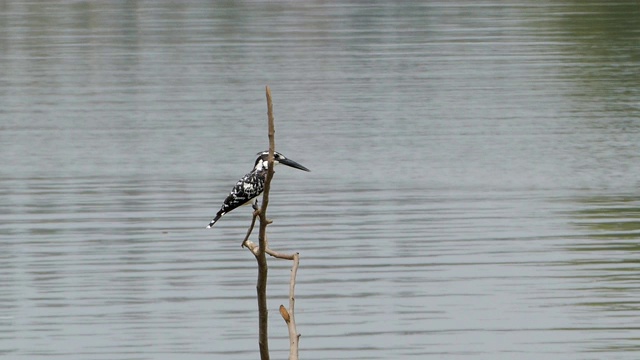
252	184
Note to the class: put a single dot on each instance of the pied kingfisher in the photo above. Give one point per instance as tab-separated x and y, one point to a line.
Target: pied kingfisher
252	184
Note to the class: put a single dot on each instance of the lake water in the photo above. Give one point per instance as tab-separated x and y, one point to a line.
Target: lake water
474	191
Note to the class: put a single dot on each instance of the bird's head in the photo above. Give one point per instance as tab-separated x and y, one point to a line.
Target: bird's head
262	162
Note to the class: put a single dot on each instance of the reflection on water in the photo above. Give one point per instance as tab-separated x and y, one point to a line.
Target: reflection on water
605	268
473	191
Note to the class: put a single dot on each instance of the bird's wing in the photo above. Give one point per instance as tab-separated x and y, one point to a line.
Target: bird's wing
246	189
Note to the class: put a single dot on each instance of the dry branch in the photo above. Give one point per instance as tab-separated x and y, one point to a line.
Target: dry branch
288	315
263	269
259	250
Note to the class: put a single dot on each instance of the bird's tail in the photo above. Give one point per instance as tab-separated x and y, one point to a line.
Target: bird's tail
218	216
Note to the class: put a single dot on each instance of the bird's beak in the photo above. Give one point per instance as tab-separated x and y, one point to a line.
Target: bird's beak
293	164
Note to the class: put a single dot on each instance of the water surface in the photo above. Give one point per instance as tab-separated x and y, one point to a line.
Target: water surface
473	194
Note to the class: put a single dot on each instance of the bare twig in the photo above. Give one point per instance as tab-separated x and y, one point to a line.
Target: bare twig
253	223
261	249
288	315
253	247
279	255
261	287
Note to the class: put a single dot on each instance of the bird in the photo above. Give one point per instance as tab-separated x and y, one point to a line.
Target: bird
251	185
